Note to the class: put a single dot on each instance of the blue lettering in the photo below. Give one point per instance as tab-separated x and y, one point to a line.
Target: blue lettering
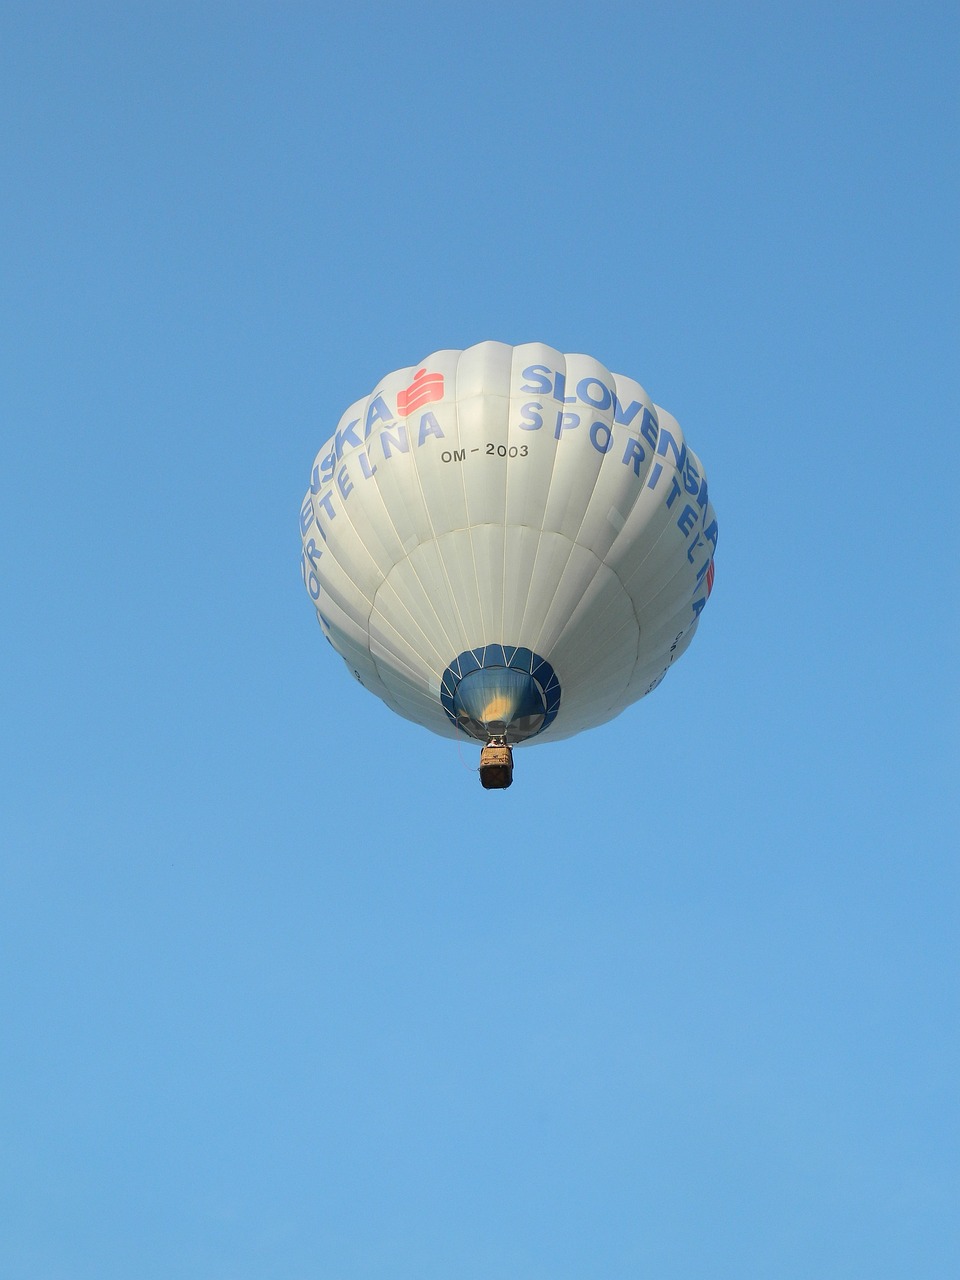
377	411
649	428
366	468
313	552
346	436
633	453
566	422
322	473
310	581
666	441
543	377
656	471
601	437
429	426
583	391
399	441
328	508
559	387
531	418
306	516
687	518
711	533
674	492
693	546
698	606
625	416
344	483
691	477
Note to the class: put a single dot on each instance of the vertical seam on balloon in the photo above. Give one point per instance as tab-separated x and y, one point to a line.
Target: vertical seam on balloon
501	405
667	524
511	473
638	605
541	531
639	492
358	541
643	470
390	521
504	639
482	638
595	617
571	543
573	704
515	474
463	484
494	633
602	459
575	541
415	624
648	600
427	643
642	473
414	461
452	642
661	659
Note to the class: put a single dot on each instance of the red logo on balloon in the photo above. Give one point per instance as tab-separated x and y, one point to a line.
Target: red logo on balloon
424	388
710	573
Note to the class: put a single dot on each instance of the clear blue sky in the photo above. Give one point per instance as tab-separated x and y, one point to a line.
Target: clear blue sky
284	994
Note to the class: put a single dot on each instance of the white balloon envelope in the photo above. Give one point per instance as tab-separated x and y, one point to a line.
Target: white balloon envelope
508	543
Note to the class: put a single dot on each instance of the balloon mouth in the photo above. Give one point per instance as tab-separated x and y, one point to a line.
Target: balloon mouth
499	692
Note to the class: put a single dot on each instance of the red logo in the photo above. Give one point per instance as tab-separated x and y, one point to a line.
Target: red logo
710	573
424	388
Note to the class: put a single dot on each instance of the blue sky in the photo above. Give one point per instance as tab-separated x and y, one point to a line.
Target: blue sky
284	993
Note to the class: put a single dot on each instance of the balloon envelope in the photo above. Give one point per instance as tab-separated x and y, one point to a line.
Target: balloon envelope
508	542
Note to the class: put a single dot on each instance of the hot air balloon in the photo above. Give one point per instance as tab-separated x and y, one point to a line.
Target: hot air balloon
508	544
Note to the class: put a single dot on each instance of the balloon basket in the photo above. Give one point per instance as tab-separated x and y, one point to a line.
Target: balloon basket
496	766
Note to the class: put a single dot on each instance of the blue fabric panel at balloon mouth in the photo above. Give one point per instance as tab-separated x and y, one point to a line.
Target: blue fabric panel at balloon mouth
513	658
